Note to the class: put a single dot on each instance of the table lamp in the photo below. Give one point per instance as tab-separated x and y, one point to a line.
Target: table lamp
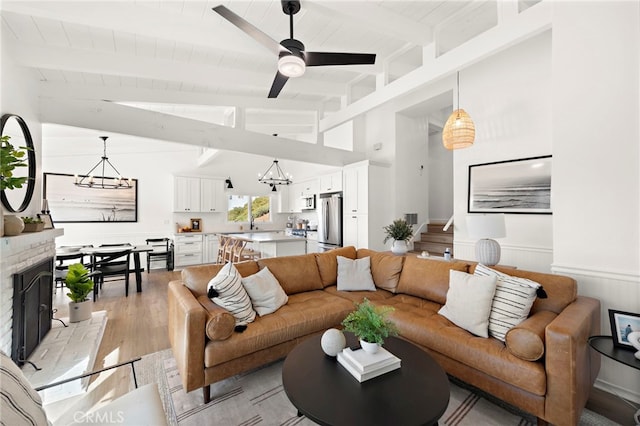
484	227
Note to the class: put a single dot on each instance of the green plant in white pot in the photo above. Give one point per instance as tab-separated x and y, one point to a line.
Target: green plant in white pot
79	284
400	232
370	325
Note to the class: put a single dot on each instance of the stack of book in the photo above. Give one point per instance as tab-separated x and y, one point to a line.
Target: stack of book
364	366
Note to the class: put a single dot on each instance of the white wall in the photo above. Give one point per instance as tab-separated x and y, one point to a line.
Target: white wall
508	96
440	170
596	180
411	183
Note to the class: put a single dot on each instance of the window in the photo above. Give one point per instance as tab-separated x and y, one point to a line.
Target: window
239	209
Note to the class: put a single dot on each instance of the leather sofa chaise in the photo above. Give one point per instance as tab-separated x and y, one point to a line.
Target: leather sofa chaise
545	368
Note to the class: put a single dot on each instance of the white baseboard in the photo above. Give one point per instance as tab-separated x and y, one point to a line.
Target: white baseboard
617	390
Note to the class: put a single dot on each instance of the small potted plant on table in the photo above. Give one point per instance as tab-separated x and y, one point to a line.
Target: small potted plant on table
79	284
370	325
400	232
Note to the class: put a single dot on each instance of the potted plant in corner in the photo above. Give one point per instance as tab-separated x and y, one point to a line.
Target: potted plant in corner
370	325
400	232
79	284
10	158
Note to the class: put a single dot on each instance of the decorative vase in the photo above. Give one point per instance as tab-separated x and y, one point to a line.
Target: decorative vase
33	227
80	311
333	341
399	247
370	348
13	225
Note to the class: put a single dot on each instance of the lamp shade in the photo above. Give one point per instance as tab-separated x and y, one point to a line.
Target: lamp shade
459	130
486	226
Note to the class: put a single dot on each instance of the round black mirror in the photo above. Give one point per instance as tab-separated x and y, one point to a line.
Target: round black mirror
14	126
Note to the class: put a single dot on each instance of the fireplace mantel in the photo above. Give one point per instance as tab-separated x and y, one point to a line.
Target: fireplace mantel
8	245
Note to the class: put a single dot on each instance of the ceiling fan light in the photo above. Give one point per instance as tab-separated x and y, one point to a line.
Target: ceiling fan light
291	66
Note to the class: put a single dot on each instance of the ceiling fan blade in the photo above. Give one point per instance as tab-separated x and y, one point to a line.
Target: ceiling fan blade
250	30
278	84
315	59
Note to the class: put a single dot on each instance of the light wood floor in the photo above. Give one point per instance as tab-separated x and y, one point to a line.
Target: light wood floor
137	325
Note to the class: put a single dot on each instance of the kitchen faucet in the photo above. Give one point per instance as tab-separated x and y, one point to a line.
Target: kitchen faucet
251	222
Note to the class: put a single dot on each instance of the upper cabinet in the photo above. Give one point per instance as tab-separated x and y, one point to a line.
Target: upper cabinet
308	188
194	194
331	183
212	195
186	194
356	189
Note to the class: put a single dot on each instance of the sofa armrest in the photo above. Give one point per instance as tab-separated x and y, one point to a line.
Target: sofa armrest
187	320
570	364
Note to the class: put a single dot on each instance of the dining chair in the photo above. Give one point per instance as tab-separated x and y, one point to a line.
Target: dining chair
223	240
160	251
242	252
113	264
63	260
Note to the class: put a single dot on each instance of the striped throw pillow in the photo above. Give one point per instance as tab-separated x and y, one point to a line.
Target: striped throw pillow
19	403
228	292
512	300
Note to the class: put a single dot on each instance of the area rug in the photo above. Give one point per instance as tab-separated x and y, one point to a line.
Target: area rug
257	397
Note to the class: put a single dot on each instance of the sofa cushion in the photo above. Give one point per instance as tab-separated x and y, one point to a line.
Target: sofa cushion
220	323
418	321
385	268
265	292
328	264
294	273
512	300
427	278
226	290
197	278
469	302
305	313
561	290
355	274
526	340
19	403
358	296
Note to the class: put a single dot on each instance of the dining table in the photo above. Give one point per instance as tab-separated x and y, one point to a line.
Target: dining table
91	251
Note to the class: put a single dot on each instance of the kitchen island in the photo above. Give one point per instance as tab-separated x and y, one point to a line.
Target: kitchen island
273	244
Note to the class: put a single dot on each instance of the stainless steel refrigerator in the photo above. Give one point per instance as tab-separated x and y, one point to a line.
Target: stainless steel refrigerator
330	224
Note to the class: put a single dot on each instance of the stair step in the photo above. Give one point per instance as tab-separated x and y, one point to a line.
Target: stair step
436	228
428	237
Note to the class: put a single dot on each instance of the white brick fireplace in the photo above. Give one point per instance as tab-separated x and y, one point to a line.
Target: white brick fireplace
17	254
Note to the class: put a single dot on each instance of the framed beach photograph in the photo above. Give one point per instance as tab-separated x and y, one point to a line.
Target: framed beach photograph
623	324
69	203
513	186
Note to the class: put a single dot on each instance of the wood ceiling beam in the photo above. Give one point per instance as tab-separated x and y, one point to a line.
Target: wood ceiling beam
528	24
134	94
106	63
107	116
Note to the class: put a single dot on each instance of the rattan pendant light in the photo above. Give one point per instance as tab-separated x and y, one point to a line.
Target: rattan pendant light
459	130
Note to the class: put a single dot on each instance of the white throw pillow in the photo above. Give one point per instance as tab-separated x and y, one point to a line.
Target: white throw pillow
355	274
469	302
267	296
512	301
226	290
19	403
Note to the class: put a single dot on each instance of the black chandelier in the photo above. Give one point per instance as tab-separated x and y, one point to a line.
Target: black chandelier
88	180
274	176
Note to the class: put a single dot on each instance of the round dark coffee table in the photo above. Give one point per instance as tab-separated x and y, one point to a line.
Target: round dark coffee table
321	389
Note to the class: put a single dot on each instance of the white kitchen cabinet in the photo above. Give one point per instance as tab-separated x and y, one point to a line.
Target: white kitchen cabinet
186	194
211	244
212	195
367	204
356	189
288	202
295	197
309	187
331	182
187	250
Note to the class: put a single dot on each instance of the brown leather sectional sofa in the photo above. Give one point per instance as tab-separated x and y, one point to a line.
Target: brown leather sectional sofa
546	368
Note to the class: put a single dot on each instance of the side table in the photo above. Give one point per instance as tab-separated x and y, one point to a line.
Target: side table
604	345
